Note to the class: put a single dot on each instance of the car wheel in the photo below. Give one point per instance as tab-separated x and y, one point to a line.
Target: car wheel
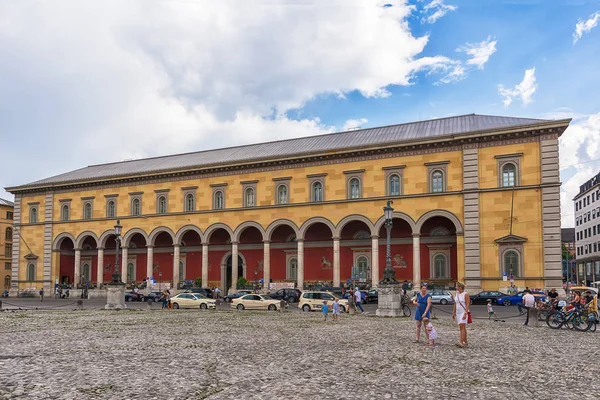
471	301
227	300
306	308
342	309
240	307
506	302
292	300
443	302
176	306
203	306
272	307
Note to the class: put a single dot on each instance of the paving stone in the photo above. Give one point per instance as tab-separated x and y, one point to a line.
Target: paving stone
189	354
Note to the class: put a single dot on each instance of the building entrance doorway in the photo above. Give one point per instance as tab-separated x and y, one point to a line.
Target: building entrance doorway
229	264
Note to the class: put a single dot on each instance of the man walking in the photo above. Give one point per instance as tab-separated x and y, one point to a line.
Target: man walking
528	303
42	294
358	299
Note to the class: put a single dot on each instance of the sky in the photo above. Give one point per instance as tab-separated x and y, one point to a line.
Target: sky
89	82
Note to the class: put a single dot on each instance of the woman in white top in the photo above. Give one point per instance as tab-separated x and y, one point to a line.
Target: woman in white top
461	309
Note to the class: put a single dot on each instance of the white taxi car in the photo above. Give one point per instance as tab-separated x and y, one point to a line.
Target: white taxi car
192	300
310	301
256	302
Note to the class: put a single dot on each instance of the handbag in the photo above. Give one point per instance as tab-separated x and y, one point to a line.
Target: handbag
469	317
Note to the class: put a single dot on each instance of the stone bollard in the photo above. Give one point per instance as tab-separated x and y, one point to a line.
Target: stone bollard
149	303
351	306
0	304
533	317
80	304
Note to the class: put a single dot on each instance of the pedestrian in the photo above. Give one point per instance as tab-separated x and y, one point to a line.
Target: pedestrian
57	293
358	300
42	294
67	293
491	311
423	303
325	309
164	299
430	331
528	302
217	291
169	305
336	309
460	313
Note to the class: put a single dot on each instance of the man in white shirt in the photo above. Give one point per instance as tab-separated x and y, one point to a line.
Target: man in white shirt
528	303
358	300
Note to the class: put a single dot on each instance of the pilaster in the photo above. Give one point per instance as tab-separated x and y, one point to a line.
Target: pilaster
471	239
149	261
374	260
16	247
300	280
266	263
205	265
336	261
416	260
48	219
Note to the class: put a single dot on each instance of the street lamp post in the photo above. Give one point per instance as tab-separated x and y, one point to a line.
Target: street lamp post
389	275
116	276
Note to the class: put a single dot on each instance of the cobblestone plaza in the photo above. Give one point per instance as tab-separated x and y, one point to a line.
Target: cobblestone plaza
154	354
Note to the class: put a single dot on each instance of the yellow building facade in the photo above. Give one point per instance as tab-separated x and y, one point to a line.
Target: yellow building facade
6	241
476	199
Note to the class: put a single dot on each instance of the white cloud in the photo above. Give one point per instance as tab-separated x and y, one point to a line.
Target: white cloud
439	9
354	123
109	80
524	90
480	52
585	26
579	159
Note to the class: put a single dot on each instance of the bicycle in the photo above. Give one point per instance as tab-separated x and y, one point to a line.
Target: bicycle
404	301
573	319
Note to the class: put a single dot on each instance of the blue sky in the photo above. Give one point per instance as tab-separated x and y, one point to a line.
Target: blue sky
103	81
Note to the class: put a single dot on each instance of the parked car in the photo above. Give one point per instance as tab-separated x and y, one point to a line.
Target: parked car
518	298
132	296
373	296
256	302
237	295
289	295
310	301
192	300
154	296
441	297
483	297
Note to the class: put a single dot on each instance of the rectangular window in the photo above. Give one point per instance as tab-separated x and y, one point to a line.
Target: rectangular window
9	215
595	247
7	266
8	250
594	230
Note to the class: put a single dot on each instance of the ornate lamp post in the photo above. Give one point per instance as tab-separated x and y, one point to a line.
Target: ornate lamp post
389	275
116	276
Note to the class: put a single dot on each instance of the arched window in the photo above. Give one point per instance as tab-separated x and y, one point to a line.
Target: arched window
162	205
317	191
509	172
362	267
33	215
110	209
250	202
64	213
86	275
87	211
181	271
437	181
7	281
394	185
511	263
8	235
130	272
31	273
190	203
219	200
292	268
135	207
282	194
354	188
439	267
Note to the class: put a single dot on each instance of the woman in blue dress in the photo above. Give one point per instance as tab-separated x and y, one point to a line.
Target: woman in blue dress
423	303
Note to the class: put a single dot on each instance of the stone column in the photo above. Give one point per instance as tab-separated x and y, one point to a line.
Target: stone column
300	263
175	265
336	261
149	261
100	268
266	263
205	265
234	265
123	266
374	260
77	278
416	261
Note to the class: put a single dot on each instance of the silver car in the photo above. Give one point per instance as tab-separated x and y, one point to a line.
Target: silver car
441	297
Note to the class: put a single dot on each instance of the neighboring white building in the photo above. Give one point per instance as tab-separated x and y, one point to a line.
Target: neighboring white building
587	230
